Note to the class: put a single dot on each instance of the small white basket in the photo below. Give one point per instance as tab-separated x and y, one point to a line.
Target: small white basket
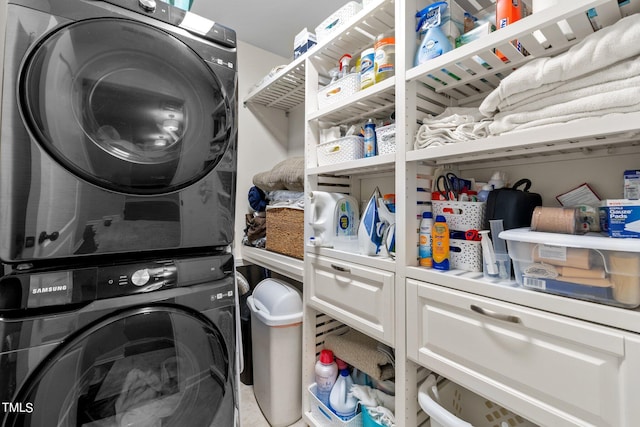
386	139
337	19
340	150
465	255
340	89
460	216
325	417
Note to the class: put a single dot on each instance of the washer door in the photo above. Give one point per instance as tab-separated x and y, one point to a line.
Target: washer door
125	106
153	366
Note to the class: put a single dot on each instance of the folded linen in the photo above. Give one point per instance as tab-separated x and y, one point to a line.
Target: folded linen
597	51
626	100
620	71
361	352
454	124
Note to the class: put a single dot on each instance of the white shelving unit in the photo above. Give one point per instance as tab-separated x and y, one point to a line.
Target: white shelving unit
564	361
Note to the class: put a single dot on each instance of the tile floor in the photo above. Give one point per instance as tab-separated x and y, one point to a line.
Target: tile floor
250	413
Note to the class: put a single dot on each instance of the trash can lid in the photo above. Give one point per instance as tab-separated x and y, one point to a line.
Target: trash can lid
276	303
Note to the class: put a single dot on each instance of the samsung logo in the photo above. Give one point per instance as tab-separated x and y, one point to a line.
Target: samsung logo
50	289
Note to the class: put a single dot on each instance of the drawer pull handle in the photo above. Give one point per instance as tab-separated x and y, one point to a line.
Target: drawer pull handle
337	267
504	317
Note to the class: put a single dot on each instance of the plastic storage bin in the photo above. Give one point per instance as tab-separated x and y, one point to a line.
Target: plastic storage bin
455	406
276	336
591	267
386	139
340	150
461	216
325	417
340	89
337	19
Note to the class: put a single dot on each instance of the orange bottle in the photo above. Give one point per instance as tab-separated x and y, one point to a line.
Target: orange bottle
508	12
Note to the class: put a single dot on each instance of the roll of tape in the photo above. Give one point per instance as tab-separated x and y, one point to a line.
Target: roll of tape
557	220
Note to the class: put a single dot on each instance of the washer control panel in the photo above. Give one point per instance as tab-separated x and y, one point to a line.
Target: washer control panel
136	278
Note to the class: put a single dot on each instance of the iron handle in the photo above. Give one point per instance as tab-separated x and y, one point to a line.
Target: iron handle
44	236
498	316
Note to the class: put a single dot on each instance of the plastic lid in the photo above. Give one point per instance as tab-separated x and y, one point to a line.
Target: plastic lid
441	218
326	357
344	372
276	303
427	215
341	364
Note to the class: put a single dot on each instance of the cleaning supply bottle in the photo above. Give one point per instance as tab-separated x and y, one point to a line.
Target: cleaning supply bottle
333	216
440	243
385	53
426	225
434	42
343	403
370	145
508	12
326	370
367	68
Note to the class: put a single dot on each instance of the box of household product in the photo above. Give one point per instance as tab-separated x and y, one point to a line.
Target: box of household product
302	42
632	184
620	218
590	267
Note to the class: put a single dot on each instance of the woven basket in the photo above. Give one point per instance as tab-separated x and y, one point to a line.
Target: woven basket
340	150
285	231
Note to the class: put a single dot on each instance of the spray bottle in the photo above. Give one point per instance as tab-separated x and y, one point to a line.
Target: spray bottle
434	42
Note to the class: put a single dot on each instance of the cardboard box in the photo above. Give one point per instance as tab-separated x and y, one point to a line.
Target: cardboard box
302	42
620	218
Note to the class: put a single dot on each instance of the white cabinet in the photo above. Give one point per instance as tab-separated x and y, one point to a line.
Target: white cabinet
555	369
359	296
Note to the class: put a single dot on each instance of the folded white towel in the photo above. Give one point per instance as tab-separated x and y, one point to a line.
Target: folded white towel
597	51
601	104
622	70
454	124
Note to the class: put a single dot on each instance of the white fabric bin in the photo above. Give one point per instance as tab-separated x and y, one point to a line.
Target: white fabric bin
276	338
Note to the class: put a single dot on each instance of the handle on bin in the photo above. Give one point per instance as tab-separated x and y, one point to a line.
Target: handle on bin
495	315
434	409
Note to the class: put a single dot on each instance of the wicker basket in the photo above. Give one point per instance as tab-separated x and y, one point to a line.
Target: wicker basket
285	231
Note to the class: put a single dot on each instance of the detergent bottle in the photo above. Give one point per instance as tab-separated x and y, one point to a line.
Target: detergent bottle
434	42
326	372
371	229
333	215
440	243
342	402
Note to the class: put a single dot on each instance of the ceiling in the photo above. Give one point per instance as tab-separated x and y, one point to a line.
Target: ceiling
269	25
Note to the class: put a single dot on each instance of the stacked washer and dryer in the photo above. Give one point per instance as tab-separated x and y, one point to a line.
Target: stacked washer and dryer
117	189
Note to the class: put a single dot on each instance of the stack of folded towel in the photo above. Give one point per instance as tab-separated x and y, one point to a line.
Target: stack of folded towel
454	124
598	76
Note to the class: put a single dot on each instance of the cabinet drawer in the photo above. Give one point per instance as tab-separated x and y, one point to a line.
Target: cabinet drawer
551	369
359	296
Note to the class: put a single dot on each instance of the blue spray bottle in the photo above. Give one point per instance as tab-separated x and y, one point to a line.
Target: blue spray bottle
434	42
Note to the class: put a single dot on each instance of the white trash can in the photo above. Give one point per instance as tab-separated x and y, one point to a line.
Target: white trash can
276	338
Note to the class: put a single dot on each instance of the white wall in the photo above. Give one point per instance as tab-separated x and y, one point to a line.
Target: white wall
263	133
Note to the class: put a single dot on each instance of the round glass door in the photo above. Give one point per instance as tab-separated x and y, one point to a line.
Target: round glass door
125	106
160	366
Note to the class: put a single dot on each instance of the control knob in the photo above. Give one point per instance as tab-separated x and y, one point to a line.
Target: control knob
147	5
140	277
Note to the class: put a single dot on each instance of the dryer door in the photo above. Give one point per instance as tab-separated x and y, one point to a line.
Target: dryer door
125	106
152	366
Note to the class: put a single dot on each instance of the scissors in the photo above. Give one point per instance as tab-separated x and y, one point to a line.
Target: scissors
443	186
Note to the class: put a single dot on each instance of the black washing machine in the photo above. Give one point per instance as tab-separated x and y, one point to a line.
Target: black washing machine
119	130
146	343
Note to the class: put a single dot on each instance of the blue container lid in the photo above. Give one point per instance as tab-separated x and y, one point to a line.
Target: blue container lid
441	218
427	215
